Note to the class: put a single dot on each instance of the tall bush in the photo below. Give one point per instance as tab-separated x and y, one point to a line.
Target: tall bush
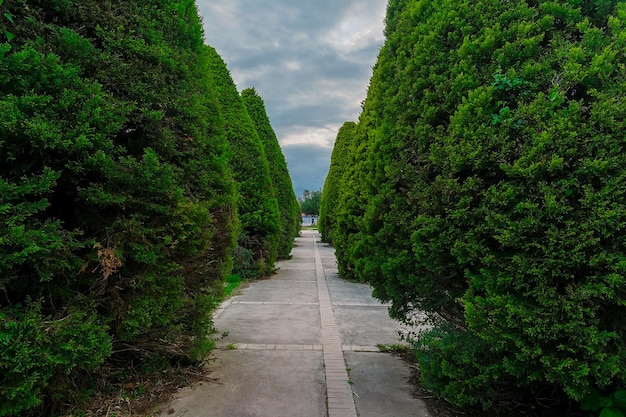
116	199
281	180
350	234
257	205
332	184
493	172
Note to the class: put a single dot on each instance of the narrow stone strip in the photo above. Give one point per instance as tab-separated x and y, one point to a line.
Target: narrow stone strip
338	390
354	348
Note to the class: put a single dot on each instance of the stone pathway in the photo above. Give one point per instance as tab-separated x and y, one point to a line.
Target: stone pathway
303	344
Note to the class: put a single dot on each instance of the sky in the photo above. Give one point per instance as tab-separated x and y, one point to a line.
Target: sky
310	61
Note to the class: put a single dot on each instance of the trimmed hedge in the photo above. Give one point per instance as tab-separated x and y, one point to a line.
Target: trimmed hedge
283	188
332	184
116	198
257	206
486	187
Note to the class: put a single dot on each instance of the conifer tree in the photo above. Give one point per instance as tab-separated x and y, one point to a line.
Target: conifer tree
333	182
350	235
116	197
486	188
257	205
281	180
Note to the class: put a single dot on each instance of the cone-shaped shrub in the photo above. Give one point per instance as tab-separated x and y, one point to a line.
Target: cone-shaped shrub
349	235
333	182
281	180
494	181
257	205
116	199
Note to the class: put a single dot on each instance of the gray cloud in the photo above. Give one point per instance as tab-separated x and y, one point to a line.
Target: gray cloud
310	61
306	162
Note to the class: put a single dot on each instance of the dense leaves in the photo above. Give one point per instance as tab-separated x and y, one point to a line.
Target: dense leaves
257	205
281	181
486	186
310	202
117	201
332	186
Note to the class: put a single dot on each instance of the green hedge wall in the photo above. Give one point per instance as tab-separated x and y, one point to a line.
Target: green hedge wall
281	180
116	198
333	182
486	187
257	204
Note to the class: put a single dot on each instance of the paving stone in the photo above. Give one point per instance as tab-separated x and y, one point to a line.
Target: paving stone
295	335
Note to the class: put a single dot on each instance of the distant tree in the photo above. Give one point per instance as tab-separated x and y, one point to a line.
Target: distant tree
310	202
486	187
257	205
281	180
332	186
116	199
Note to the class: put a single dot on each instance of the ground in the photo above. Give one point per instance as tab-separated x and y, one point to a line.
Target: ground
145	396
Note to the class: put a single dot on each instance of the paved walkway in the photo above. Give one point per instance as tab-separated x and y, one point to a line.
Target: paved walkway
303	344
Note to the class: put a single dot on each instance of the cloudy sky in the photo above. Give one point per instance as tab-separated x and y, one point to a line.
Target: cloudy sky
310	60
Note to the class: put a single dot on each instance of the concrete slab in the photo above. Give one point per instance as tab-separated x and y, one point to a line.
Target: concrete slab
295	333
342	291
300	248
270	323
280	290
297	265
366	326
257	384
300	274
381	386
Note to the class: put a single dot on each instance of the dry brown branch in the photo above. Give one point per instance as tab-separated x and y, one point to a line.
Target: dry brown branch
108	261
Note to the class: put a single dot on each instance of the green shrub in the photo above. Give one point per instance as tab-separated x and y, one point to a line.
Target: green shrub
349	235
38	352
488	190
257	205
456	365
281	181
612	405
332	184
116	199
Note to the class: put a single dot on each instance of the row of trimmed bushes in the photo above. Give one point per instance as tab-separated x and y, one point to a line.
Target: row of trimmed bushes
131	173
485	185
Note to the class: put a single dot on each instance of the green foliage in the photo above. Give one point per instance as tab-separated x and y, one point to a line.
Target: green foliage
116	198
613	405
281	181
456	365
38	351
485	186
232	283
349	235
257	205
310	202
244	260
333	183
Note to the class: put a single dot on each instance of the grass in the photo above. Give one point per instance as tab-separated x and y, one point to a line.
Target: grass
232	283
